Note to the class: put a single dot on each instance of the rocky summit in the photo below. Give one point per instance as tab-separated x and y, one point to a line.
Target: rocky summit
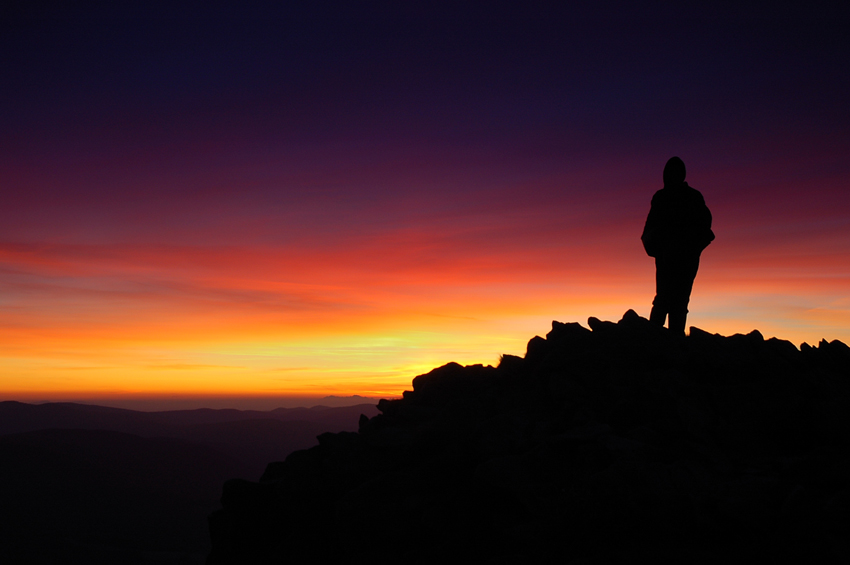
611	444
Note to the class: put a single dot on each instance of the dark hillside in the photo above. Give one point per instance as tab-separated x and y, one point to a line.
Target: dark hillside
89	484
91	496
605	445
255	442
253	437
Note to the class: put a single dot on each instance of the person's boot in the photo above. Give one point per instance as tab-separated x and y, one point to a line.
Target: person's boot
677	322
657	316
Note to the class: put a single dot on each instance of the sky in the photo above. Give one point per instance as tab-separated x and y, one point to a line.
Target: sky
201	200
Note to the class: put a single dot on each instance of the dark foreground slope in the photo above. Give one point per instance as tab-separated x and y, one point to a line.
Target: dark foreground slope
599	446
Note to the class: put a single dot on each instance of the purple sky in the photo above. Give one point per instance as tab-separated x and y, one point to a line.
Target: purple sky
188	184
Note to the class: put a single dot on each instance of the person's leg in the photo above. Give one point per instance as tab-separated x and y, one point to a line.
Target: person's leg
678	320
682	279
661	303
657	315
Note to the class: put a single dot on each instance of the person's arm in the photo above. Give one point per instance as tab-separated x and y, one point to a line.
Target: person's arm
650	228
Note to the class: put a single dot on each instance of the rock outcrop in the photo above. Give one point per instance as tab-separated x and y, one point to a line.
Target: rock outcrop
601	445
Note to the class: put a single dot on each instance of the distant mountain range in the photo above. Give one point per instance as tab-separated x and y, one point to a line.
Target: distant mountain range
91	484
253	436
263	403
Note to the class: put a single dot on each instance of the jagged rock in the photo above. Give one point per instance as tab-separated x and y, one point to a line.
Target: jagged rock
619	442
536	350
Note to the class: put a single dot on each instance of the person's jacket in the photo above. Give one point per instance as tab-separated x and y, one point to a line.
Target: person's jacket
678	224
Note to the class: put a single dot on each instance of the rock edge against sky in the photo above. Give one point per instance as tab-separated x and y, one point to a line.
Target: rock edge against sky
600	445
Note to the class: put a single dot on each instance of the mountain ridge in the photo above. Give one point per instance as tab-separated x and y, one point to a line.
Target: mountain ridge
607	444
17	417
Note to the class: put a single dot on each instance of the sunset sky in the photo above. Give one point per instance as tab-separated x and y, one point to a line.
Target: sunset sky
206	201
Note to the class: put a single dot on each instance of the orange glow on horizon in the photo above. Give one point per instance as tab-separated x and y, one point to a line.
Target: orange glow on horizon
306	204
369	309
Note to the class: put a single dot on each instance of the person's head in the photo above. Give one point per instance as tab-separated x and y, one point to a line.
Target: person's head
674	172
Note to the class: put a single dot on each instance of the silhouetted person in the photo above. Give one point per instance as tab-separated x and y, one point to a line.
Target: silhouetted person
677	229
